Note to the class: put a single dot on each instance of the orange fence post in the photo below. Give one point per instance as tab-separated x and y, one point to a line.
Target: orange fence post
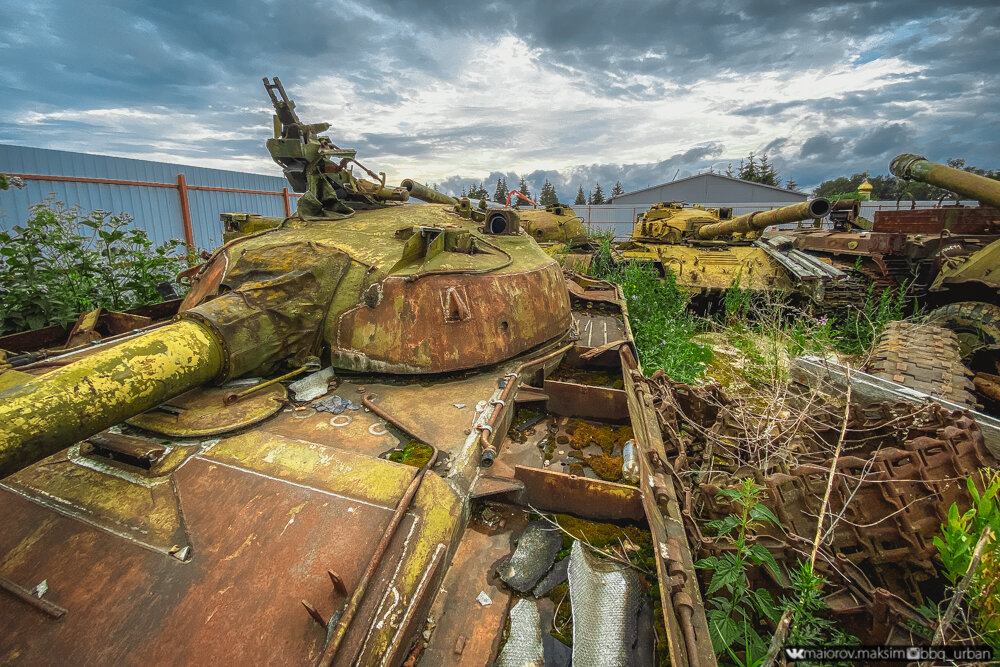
185	211
288	204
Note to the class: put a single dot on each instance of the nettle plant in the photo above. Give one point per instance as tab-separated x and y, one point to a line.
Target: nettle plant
63	262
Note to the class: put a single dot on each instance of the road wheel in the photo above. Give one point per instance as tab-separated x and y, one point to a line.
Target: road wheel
977	324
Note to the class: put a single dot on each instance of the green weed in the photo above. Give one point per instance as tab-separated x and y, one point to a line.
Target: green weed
63	262
735	616
661	326
958	539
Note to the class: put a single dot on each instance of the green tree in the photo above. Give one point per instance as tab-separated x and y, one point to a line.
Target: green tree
500	194
791	184
548	195
618	190
581	199
522	187
748	170
768	175
597	197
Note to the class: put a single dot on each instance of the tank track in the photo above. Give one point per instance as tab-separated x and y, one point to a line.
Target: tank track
923	357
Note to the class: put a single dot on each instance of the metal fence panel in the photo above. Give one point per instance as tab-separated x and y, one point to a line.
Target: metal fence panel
155	209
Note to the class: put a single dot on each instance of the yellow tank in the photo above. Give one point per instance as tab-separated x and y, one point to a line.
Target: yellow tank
708	250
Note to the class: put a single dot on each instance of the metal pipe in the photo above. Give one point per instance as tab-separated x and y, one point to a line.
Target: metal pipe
760	220
918	168
424	193
233	397
489	449
185	211
340	631
66	405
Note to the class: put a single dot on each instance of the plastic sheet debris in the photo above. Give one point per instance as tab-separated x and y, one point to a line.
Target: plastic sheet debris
334	404
313	385
524	643
484	599
606	599
536	551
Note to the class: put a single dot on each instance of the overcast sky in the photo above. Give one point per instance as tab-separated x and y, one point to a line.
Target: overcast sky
456	92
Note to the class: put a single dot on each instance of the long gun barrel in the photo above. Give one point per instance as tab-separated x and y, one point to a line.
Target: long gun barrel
760	220
51	412
424	193
918	168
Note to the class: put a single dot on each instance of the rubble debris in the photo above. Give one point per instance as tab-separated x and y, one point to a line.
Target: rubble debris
536	551
555	576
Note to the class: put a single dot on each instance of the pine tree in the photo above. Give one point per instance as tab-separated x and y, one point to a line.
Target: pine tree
548	195
522	187
729	170
791	184
598	197
749	171
463	191
500	194
767	175
581	199
618	190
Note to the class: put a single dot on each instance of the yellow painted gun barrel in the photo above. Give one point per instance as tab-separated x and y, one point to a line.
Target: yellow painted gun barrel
760	220
424	193
918	168
51	412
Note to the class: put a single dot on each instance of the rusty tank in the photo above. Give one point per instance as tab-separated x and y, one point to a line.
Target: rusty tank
710	251
322	457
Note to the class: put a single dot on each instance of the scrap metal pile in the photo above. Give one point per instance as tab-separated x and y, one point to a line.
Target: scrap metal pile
901	467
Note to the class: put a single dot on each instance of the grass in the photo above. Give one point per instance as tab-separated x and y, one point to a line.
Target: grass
661	326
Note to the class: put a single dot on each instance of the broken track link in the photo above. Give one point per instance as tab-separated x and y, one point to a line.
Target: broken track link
924	357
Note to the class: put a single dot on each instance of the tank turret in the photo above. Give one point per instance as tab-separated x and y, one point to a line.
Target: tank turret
918	168
355	276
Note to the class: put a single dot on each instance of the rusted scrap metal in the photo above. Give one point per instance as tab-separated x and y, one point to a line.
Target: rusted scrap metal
902	468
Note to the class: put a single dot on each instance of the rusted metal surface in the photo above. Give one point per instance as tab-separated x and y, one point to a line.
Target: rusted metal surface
130	447
593	499
340	630
466	632
688	638
408	329
941	220
177	611
851	243
578	400
30	598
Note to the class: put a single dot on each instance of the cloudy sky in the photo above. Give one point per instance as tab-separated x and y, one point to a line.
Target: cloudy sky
454	92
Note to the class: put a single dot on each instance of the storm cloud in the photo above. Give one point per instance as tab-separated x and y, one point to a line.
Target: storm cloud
456	93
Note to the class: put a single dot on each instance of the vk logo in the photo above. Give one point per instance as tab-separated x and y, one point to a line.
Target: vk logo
795	653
